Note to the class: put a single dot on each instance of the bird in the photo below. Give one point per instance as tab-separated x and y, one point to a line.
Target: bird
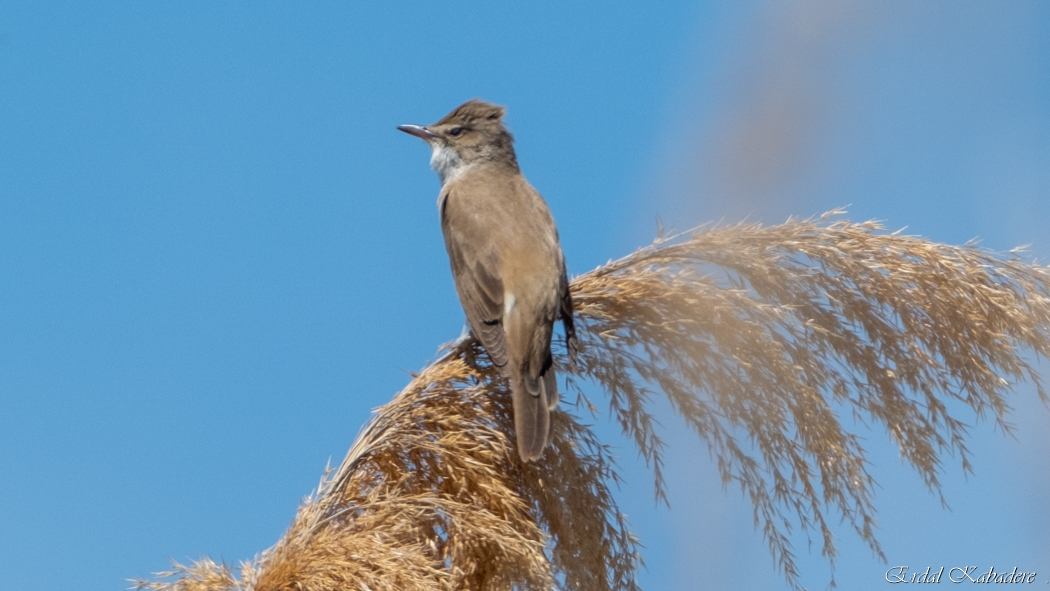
507	263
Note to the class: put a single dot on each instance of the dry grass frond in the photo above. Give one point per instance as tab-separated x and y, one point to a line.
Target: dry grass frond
760	337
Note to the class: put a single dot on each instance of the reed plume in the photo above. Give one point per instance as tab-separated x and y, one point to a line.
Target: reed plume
762	338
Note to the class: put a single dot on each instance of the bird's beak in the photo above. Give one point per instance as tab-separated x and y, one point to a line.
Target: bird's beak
419	131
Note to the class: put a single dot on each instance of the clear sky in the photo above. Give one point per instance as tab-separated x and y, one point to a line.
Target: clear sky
217	255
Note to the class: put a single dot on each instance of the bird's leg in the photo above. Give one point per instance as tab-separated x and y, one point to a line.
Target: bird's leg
573	347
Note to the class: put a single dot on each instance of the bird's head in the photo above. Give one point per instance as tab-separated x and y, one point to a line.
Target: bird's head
471	134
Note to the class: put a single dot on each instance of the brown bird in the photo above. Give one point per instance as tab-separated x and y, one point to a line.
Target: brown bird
506	260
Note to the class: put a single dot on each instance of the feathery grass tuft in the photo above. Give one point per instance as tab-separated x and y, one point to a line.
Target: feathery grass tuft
760	337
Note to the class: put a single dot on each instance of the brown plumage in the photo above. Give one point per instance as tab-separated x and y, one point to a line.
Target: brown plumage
506	260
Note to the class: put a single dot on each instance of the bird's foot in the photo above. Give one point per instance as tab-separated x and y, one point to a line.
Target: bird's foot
464	348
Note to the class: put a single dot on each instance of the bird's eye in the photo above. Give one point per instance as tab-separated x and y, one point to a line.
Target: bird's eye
455	131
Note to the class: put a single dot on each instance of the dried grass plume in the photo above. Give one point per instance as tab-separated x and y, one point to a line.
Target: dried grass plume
762	338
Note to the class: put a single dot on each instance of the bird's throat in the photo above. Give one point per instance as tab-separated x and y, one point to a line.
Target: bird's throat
445	162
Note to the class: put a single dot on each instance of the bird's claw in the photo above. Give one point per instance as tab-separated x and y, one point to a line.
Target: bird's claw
463	347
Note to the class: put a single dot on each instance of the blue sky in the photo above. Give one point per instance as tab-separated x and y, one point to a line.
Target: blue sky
217	255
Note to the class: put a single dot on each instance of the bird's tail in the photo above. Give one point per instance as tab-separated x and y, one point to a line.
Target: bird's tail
534	398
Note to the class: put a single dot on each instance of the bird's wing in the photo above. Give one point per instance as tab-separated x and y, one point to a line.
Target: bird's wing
476	269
